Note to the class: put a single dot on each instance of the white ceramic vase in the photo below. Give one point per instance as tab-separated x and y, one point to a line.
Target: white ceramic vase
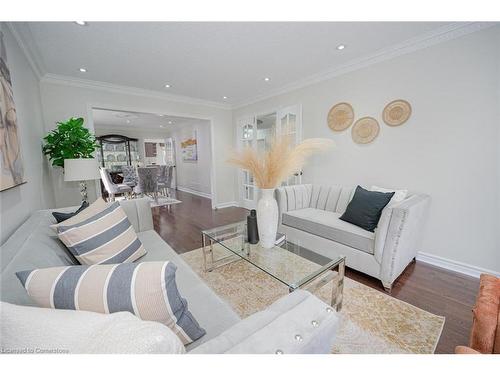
267	218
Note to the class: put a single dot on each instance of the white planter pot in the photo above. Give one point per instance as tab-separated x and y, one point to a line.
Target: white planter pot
267	218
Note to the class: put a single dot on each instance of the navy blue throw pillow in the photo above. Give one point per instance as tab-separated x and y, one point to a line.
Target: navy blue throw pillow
61	216
365	208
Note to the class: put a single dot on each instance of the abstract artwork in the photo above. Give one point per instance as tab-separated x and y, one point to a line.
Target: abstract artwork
11	164
189	148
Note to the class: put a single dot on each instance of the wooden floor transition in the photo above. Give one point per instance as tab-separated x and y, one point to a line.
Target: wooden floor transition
431	288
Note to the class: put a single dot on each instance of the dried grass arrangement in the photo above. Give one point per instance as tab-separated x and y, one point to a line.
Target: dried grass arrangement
282	160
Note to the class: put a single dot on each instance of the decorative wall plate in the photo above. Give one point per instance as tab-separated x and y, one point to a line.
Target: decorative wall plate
396	112
340	117
365	130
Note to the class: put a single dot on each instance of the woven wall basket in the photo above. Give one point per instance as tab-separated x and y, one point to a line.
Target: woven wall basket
396	112
340	117
365	130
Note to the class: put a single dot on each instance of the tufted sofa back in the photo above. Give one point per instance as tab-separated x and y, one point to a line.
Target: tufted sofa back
328	198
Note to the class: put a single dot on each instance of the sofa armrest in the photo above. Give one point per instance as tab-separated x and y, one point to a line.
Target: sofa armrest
404	236
139	213
286	326
465	350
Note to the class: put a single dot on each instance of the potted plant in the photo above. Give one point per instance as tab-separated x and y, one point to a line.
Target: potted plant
70	140
269	170
73	145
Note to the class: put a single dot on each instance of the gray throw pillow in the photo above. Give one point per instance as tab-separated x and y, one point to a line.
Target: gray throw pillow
365	208
146	289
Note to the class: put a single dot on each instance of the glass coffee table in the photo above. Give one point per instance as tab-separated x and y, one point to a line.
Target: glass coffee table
289	263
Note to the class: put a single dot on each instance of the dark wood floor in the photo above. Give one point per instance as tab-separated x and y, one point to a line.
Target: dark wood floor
431	288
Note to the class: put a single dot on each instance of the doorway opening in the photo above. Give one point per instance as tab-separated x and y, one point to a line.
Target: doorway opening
140	139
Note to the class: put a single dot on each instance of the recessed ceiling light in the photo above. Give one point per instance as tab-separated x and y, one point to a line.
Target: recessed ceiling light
83	70
170	122
128	121
224	97
161	115
267	79
81	23
162	126
167	86
340	47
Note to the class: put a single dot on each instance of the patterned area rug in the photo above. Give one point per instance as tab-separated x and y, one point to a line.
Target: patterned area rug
372	322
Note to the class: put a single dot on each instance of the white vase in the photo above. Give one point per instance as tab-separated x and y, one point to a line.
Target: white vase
267	218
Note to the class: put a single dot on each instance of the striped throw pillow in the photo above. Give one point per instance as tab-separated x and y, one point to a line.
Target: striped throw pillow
147	290
101	234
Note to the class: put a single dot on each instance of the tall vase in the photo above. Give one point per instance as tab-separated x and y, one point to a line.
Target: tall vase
267	218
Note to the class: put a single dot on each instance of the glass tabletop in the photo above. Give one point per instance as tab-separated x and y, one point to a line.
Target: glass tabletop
288	262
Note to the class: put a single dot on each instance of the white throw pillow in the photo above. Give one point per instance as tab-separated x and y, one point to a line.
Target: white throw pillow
385	217
399	195
26	329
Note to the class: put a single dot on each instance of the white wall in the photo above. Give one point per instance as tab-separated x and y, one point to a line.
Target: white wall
18	203
195	176
448	149
62	100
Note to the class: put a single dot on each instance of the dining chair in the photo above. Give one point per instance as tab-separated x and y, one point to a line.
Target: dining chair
111	187
129	175
147	182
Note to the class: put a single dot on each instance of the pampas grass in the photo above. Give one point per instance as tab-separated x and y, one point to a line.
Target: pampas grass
280	161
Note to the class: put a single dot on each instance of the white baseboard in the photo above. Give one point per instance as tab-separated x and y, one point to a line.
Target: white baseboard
226	204
195	192
454	265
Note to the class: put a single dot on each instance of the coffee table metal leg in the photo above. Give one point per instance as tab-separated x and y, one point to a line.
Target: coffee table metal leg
338	287
204	246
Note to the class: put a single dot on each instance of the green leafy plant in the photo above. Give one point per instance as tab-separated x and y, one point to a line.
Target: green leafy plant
70	140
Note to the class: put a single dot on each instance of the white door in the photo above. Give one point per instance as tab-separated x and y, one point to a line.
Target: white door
247	134
257	132
290	122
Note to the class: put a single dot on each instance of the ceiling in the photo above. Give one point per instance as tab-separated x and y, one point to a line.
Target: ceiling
213	60
134	120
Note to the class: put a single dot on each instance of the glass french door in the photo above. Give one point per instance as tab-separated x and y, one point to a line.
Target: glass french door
247	138
257	132
289	124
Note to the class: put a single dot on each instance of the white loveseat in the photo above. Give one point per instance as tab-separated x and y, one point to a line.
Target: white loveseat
309	216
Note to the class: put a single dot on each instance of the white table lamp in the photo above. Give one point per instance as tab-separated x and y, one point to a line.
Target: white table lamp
81	170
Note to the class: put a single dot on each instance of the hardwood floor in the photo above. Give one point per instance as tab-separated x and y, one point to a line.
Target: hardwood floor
430	288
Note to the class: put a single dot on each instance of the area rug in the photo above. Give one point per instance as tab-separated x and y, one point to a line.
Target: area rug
163	201
371	321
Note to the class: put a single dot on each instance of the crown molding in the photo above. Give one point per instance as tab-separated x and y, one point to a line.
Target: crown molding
24	39
434	37
118	89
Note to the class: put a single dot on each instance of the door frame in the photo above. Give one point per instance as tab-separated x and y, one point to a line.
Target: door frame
130	108
276	110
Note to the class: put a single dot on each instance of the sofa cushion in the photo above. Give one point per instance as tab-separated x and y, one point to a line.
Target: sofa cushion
147	289
82	332
327	224
101	234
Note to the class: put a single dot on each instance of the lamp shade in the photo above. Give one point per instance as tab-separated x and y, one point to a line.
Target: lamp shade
81	169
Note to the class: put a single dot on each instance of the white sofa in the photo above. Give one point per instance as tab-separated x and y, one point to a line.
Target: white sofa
35	245
309	216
